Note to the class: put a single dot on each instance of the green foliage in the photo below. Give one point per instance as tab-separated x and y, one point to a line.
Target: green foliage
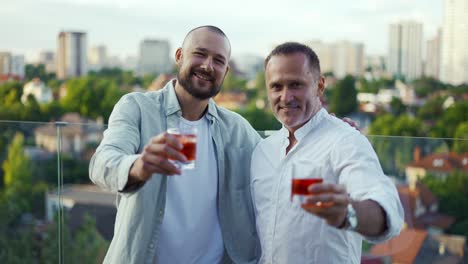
89	246
344	99
37	71
17	165
452	117
18	247
259	118
461	138
119	76
452	193
432	109
91	96
85	245
397	106
373	86
404	125
426	85
233	83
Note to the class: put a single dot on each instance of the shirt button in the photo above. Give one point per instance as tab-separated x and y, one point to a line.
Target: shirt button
161	212
151	245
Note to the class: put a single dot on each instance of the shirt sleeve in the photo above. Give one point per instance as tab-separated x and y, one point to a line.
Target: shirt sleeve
358	167
110	165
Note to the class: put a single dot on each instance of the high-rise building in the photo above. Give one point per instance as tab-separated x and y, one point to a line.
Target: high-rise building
17	66
341	58
97	57
48	59
249	65
348	59
405	49
5	62
432	67
325	53
454	55
154	57
12	64
71	55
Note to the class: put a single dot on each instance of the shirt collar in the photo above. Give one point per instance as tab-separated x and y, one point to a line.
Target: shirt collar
173	106
300	133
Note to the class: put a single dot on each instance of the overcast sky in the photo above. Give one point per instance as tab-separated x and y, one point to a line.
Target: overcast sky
253	26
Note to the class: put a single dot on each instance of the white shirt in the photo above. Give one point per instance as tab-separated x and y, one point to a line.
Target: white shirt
190	230
289	234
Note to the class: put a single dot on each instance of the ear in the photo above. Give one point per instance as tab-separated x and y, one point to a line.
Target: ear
178	56
227	70
321	86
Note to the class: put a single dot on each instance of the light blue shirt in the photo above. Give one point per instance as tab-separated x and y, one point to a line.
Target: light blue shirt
138	117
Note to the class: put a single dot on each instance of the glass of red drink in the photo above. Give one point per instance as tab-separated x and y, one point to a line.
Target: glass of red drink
188	138
302	179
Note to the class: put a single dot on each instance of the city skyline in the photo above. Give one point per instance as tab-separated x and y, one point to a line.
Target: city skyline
253	27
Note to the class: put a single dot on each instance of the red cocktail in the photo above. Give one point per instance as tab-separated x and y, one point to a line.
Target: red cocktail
188	138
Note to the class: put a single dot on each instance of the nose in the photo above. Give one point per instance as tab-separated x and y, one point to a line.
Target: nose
207	64
286	95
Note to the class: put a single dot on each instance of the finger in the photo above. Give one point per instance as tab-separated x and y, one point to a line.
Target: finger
164	150
167	138
328	199
161	138
159	164
174	141
327	187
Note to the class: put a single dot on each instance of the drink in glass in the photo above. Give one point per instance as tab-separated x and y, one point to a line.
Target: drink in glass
301	180
188	138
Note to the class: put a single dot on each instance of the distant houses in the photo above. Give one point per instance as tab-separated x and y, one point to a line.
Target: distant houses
74	137
423	239
79	200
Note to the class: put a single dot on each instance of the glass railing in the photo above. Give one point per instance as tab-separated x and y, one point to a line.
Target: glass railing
50	212
29	227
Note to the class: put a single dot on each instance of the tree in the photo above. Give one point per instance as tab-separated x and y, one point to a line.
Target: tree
397	106
91	96
233	83
461	138
17	166
38	71
452	117
344	100
432	109
259	118
452	193
18	176
426	85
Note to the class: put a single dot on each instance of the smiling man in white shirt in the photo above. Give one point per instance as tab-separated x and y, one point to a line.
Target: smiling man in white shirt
355	201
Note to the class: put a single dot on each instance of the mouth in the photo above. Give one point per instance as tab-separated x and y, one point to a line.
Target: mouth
288	108
203	76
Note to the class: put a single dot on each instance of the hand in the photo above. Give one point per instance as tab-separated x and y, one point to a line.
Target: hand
328	201
154	158
352	123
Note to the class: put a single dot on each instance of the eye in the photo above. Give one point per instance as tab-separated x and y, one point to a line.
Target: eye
295	85
198	54
219	61
275	87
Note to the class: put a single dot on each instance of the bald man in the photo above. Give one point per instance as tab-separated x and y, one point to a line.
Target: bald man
168	215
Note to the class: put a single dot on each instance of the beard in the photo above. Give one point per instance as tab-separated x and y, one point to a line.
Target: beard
186	82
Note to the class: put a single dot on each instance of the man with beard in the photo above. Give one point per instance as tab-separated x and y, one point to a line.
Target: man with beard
168	215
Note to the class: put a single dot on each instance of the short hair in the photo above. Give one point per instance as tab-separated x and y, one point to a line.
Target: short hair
210	28
289	48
